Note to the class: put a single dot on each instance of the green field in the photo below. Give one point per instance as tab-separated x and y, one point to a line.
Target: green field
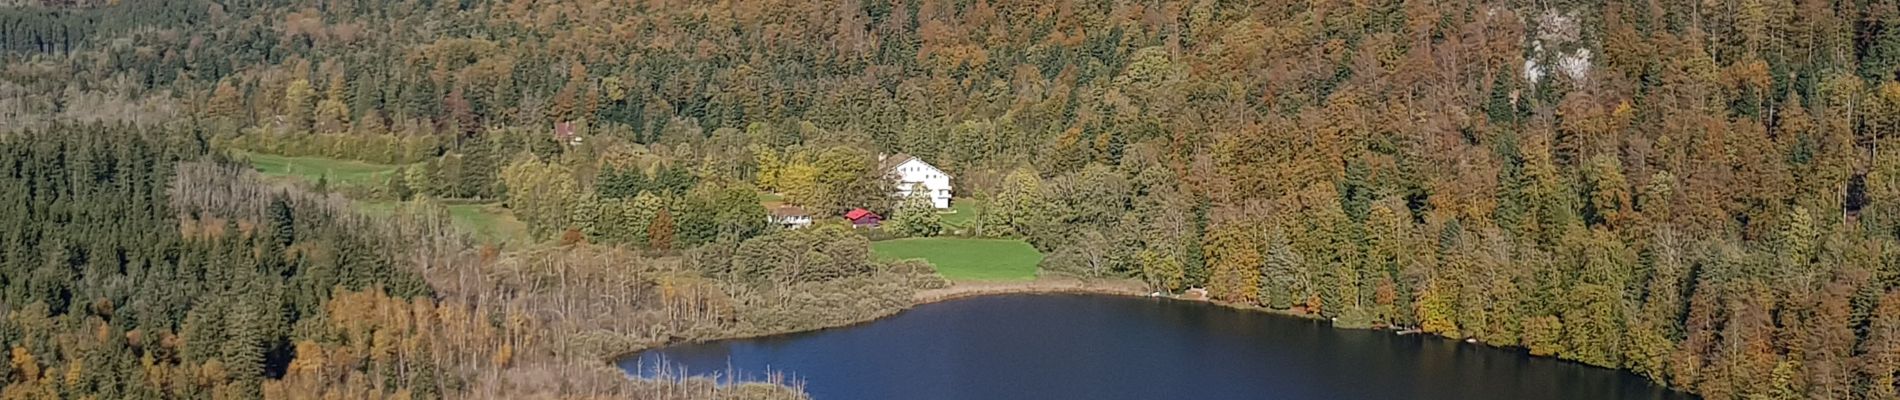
339	172
489	223
962	214
771	200
967	259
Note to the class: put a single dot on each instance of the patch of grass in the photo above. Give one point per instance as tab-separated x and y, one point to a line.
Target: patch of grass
961	215
490	223
967	259
310	169
771	200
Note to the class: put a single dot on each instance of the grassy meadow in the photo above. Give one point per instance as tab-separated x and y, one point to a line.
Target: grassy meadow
961	215
488	222
967	259
339	172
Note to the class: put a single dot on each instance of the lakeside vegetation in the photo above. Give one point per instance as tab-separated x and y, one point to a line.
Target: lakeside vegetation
1692	191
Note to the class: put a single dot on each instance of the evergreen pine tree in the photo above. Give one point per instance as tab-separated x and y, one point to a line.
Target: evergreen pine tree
282	223
397	185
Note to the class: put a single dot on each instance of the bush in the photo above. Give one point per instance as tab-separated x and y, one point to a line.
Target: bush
1355	318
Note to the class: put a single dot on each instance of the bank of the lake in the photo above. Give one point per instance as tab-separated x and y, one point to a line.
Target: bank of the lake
956	290
991	344
1044	285
968	289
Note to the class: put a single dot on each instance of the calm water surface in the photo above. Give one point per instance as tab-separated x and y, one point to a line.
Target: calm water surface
1105	347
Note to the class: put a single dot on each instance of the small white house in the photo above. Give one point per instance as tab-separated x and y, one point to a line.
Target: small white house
910	171
790	217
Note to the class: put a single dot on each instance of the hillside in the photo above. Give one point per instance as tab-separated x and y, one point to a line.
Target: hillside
1702	193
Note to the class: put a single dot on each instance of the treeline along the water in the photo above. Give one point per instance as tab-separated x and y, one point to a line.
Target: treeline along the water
1700	192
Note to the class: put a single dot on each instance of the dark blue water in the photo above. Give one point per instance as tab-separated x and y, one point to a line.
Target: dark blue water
1104	347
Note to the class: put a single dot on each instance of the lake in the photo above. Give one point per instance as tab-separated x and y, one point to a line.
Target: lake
1109	347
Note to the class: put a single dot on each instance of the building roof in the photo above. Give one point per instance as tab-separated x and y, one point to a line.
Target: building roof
887	163
788	211
858	213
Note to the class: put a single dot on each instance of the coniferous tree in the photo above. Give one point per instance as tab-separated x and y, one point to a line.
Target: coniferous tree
282	222
397	185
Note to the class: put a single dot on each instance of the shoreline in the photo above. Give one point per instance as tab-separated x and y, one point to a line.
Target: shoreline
962	290
971	289
1118	288
1065	285
956	290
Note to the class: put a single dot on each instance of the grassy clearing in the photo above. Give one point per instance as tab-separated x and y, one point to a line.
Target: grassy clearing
339	172
961	215
490	223
485	220
967	259
771	200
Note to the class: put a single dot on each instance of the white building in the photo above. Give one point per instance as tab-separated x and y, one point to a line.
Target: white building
909	171
790	217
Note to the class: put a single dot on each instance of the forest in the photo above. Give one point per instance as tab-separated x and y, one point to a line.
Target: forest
139	264
1692	191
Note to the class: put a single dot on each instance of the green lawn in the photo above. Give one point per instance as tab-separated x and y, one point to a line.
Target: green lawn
964	215
339	172
488	222
967	259
771	200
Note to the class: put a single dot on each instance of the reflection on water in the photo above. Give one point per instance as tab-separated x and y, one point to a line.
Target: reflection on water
1104	347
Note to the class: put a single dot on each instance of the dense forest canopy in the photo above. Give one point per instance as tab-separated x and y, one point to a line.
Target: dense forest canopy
1701	192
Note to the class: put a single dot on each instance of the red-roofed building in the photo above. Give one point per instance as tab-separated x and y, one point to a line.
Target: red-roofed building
564	133
862	218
